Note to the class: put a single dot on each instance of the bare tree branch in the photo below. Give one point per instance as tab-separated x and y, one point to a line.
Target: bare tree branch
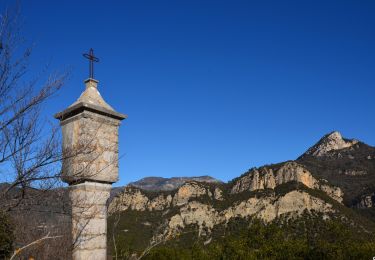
19	250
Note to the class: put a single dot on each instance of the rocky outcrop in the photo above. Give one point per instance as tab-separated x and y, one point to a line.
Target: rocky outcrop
292	171
366	201
194	212
267	208
257	179
218	194
129	199
188	191
334	192
330	142
161	202
267	178
134	199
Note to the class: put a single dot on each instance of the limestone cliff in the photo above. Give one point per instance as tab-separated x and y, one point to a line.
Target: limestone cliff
206	206
264	208
134	199
199	204
268	178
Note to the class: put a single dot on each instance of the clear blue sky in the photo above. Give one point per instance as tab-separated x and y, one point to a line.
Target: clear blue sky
215	87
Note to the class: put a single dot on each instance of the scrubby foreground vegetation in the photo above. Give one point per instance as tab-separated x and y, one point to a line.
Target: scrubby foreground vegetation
305	238
311	235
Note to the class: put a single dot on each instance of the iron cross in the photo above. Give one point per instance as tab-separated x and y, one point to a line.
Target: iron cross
90	56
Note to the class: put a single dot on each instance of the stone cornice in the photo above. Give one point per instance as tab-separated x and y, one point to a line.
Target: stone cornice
83	106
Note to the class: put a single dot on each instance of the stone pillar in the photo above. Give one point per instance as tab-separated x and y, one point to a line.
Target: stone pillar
89	219
90	166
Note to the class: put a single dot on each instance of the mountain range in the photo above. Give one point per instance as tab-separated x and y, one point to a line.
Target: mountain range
165	184
332	183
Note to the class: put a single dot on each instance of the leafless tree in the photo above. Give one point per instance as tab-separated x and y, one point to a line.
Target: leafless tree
29	147
30	153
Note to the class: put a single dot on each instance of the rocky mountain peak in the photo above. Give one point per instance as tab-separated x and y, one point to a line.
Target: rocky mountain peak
330	142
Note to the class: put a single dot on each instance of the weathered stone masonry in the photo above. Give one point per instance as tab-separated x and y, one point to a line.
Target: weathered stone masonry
90	166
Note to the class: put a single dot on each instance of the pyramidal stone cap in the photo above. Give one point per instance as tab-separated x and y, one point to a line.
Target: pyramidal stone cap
90	138
90	100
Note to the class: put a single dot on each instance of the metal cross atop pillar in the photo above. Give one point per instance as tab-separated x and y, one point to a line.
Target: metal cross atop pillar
90	56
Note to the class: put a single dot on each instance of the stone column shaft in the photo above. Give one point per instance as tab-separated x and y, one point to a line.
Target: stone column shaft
89	220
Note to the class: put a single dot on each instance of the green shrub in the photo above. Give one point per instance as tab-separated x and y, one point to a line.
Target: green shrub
6	236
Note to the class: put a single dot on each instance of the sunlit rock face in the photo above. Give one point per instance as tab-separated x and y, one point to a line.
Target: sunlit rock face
136	199
267	178
267	209
195	202
331	142
191	210
133	198
188	191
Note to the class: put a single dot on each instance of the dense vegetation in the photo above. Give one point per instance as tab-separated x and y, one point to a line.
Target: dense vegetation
6	236
304	238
